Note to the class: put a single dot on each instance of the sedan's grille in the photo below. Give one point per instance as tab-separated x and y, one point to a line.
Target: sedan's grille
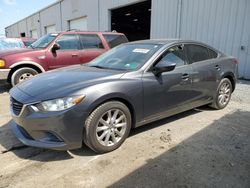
16	106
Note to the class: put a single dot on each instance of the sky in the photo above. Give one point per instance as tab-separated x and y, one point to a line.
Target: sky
12	11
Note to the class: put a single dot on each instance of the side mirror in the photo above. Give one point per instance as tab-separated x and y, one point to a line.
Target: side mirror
55	47
163	67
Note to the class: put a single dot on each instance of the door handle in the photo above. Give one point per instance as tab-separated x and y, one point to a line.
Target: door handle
185	76
74	55
217	67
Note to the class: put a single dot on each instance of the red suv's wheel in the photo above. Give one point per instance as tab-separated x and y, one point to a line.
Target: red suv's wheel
22	74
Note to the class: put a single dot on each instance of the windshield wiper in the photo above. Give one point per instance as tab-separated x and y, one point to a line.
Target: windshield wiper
100	67
32	46
97	66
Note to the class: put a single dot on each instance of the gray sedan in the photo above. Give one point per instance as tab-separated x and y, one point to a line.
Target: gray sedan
133	84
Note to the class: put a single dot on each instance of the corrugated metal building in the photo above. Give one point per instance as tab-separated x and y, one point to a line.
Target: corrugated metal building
223	24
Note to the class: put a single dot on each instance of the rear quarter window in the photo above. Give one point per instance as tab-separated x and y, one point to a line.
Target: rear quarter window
212	54
114	40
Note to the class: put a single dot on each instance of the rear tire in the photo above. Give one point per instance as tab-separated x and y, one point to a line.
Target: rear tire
107	127
22	74
223	94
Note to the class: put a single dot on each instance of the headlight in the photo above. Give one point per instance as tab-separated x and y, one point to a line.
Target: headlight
2	63
58	104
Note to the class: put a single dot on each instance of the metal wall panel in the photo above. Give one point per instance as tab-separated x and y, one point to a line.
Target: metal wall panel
12	31
33	23
51	16
22	27
74	9
223	24
164	18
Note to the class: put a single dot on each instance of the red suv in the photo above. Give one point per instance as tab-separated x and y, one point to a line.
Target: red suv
56	50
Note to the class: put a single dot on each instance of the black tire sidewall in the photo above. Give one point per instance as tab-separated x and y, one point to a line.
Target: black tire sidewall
15	76
224	80
91	125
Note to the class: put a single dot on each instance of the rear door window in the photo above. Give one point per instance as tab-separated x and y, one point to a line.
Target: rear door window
114	40
90	41
197	53
212	53
68	42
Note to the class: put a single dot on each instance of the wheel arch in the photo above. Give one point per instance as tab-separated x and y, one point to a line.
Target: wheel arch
28	64
231	77
117	97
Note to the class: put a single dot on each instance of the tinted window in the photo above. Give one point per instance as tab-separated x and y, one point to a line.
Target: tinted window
115	40
90	41
174	55
197	53
212	53
68	42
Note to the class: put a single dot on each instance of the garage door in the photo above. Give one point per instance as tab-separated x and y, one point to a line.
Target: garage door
34	34
79	24
50	29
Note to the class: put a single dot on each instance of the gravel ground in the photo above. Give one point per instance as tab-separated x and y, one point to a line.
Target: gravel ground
198	148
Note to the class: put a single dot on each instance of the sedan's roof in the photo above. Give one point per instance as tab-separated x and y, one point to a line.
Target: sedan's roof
165	41
173	41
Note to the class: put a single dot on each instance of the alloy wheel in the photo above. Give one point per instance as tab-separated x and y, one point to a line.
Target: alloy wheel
111	127
224	94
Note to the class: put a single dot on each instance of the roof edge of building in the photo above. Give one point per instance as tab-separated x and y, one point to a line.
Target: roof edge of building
37	12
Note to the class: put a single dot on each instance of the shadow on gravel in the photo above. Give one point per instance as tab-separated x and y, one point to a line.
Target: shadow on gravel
217	156
4	86
161	122
169	119
10	143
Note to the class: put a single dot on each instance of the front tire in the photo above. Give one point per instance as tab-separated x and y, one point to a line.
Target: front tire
223	94
107	127
22	74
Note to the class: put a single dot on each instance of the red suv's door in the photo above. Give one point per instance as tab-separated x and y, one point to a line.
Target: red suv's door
68	54
91	47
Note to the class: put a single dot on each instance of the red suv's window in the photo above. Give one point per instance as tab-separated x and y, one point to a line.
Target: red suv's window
90	41
114	40
68	42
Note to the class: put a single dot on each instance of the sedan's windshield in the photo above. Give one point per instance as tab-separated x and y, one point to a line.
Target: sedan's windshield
44	41
126	57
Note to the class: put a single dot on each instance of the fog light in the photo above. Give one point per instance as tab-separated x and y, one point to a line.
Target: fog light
2	63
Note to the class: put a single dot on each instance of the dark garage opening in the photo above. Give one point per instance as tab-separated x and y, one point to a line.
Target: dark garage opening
22	34
133	20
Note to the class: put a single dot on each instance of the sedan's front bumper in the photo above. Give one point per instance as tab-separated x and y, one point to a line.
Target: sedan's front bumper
22	135
52	130
4	74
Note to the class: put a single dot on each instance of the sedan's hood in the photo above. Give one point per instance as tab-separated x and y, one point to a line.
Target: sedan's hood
63	82
4	53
